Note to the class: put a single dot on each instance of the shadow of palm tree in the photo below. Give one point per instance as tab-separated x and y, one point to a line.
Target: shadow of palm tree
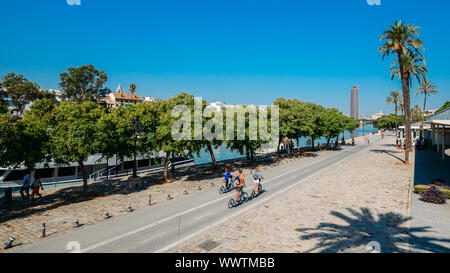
362	227
391	153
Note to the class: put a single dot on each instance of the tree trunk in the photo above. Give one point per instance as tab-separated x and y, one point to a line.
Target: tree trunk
396	122
312	141
407	110
166	167
298	144
421	122
211	153
107	167
278	148
252	156
328	142
85	178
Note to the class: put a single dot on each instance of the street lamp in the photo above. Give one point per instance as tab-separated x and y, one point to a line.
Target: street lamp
136	127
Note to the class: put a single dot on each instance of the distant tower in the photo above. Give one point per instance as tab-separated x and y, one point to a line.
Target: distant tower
354	111
119	89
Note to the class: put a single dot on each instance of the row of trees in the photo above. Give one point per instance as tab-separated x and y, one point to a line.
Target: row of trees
78	84
81	126
426	88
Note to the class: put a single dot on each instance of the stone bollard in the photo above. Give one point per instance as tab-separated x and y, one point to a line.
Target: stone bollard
8	244
43	230
212	184
150	200
130	209
106	215
76	223
169	197
199	188
185	192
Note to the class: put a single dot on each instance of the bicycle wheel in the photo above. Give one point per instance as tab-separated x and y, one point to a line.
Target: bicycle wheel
244	197
222	190
231	204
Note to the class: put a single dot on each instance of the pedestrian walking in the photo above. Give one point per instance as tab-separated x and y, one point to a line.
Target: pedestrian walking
36	186
25	187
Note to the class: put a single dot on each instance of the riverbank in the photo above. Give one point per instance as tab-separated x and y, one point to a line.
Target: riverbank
61	206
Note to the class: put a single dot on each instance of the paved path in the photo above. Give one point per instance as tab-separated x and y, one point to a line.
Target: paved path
363	199
431	222
162	226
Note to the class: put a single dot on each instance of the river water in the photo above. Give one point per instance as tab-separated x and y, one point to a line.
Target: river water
222	153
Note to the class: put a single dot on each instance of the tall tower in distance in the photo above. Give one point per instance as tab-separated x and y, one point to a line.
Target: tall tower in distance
354	104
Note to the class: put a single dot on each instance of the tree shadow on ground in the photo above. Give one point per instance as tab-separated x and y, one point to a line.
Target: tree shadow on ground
74	194
388	152
362	227
190	174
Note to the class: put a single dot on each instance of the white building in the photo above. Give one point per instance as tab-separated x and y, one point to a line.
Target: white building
119	97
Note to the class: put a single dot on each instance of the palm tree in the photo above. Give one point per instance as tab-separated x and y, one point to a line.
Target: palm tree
394	97
132	88
402	40
416	114
426	88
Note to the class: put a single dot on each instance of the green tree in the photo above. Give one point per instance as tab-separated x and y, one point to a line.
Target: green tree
3	102
333	123
114	134
403	40
443	107
426	88
84	83
251	140
318	125
209	145
164	141
389	121
416	114
132	88
23	141
296	119
349	125
394	98
74	134
20	90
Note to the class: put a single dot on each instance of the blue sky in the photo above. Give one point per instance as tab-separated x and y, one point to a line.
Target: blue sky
238	51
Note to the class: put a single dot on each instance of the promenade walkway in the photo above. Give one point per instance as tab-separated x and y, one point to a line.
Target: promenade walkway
163	225
430	222
362	199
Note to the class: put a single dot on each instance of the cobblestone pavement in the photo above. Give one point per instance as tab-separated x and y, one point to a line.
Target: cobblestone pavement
363	199
61	206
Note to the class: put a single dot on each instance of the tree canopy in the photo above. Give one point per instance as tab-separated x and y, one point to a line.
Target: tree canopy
84	83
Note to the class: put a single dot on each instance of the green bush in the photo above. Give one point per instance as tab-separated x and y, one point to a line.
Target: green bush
446	192
420	188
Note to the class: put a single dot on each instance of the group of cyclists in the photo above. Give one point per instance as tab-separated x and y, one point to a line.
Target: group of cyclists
239	182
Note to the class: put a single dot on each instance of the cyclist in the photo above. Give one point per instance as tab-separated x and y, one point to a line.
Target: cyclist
228	177
239	185
257	180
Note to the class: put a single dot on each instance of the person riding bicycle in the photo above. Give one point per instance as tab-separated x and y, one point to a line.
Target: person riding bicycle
257	180
228	177
240	179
